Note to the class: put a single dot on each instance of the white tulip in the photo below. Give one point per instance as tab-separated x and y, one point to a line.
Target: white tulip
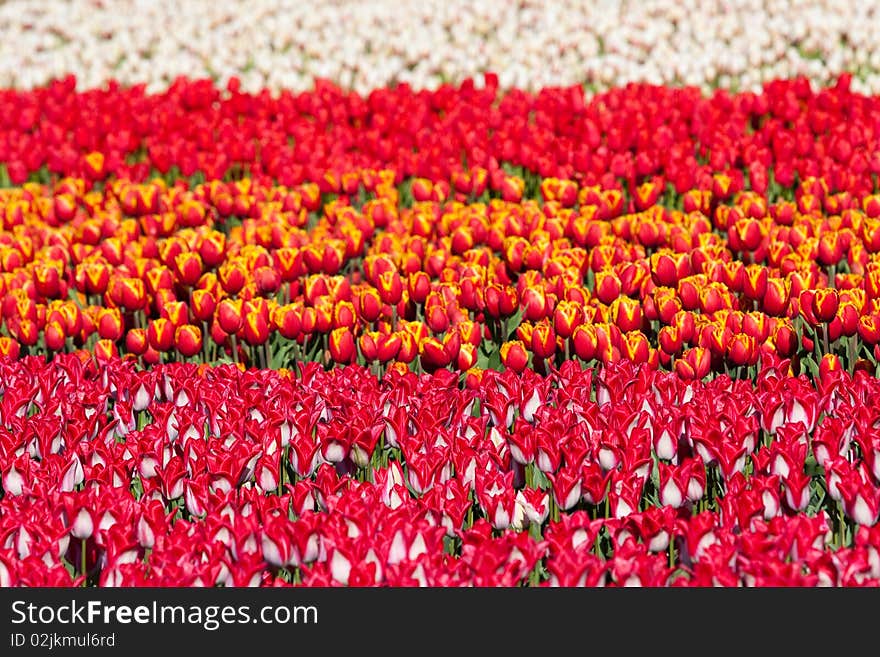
362	44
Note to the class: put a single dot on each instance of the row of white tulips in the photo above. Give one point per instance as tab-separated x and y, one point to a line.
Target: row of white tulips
364	44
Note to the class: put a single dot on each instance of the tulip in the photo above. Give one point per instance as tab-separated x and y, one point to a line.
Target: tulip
369	305
694	364
436	317
255	327
501	301
514	356
342	345
54	336
607	286
232	277
627	314
160	334
110	324
543	340
92	277
825	303
432	354
568	315
742	350
188	268
869	328
106	351
188	340
136	341
390	287
128	293
418	286
229	314
203	304
212	248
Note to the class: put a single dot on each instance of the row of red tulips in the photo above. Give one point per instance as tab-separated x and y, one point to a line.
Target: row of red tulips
187	475
625	136
268	275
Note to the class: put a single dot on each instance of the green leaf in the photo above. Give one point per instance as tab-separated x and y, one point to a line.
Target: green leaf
495	360
811	366
512	323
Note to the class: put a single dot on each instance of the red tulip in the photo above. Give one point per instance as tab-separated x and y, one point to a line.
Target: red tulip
136	341
188	340
160	334
543	341
514	356
229	315
825	304
110	324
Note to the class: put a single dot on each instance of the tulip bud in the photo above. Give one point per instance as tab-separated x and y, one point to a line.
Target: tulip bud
188	268
433	354
670	340
128	293
92	277
742	349
785	340
501	301
745	235
512	189
267	280
825	304
232	276
627	314
514	356
694	364
607	286
47	281
54	336
105	350
188	340
409	347
466	358
110	324
543	339
830	249
160	334
635	347
341	344
664	270
203	304
93	165
136	341
829	364
369	305
229	315
436	317
256	321
212	248
775	299
387	346
288	321
755	282
567	317
869	328
418	286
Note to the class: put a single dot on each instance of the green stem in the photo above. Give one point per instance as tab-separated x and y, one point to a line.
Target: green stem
205	345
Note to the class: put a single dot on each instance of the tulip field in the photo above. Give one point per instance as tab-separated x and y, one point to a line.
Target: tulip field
473	333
